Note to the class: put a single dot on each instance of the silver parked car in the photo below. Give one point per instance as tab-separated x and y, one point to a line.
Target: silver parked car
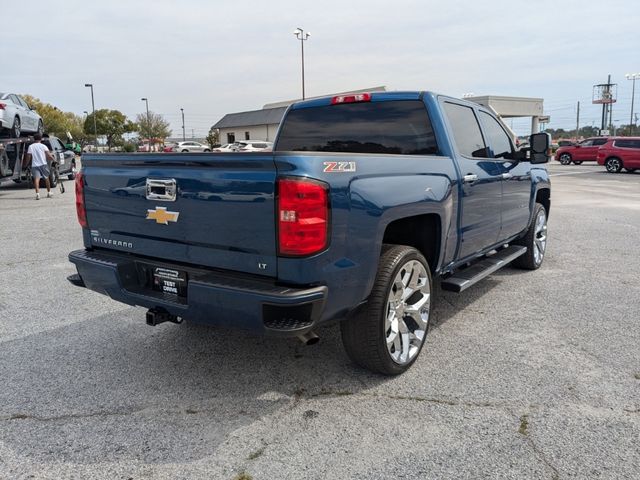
191	147
17	116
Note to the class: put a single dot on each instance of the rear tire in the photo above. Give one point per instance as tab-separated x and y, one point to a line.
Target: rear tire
565	159
613	165
535	240
387	334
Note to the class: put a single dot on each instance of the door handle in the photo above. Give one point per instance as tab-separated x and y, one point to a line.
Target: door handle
469	178
506	176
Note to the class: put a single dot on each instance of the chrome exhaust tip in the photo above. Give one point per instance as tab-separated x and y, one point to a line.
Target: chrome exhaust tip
309	338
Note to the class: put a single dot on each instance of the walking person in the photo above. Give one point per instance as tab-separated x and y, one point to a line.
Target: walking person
38	154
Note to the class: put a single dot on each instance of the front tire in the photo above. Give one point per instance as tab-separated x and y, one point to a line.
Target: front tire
565	159
535	240
53	178
613	165
387	334
15	128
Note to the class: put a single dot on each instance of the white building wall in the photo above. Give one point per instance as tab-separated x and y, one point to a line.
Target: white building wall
256	132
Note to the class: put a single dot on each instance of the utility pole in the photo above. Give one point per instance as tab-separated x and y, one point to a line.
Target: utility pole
146	101
183	136
578	122
633	77
93	111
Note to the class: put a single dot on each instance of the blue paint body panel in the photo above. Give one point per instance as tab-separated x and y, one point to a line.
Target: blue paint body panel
226	227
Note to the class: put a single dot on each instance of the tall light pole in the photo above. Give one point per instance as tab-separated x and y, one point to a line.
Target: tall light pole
146	101
93	109
184	138
302	36
632	76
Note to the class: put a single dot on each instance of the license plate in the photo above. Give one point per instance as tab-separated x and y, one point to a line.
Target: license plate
172	282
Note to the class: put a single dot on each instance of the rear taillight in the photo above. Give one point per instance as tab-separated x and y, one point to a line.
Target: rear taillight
303	216
355	98
2	105
82	213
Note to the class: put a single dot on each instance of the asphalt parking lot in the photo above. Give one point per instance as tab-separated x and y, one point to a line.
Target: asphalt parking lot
526	375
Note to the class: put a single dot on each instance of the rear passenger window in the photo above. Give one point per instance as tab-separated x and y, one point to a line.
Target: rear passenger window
599	141
392	127
466	131
627	143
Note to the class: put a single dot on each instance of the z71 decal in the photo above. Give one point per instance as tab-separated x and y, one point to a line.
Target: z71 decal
339	167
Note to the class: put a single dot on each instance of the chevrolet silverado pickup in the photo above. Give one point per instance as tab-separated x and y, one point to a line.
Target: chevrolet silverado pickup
364	203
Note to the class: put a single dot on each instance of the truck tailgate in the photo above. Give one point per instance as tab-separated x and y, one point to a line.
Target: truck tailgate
212	210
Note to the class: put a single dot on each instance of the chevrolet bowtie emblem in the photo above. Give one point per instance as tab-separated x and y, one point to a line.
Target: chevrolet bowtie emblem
160	215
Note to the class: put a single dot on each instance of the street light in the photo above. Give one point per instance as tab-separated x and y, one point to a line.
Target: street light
146	101
93	108
302	36
184	138
632	76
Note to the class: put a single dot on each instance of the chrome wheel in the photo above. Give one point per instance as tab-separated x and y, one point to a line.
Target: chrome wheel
540	237
407	312
614	165
565	159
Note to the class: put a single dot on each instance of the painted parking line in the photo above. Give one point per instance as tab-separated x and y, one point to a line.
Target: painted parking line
576	173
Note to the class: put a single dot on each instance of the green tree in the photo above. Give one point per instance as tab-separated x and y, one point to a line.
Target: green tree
213	137
56	121
110	123
155	127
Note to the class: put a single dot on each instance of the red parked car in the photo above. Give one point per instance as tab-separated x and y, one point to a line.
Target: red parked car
586	150
619	153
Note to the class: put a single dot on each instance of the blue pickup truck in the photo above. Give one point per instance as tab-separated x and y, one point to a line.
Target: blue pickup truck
365	202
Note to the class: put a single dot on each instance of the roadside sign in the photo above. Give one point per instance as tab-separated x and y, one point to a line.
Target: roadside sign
604	133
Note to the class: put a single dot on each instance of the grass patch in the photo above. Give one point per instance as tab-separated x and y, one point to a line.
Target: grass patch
524	425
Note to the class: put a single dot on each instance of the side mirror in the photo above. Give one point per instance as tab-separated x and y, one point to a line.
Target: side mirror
540	143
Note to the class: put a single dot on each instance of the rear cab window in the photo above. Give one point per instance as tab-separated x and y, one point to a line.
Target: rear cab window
385	127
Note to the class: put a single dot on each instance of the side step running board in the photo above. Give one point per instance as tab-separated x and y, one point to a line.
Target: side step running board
463	279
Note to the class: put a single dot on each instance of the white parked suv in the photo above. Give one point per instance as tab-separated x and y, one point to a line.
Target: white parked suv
17	116
191	147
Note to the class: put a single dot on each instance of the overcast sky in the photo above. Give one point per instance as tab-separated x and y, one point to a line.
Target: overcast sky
216	57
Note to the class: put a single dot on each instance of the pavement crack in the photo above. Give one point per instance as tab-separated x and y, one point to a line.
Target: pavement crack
300	394
539	454
70	416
